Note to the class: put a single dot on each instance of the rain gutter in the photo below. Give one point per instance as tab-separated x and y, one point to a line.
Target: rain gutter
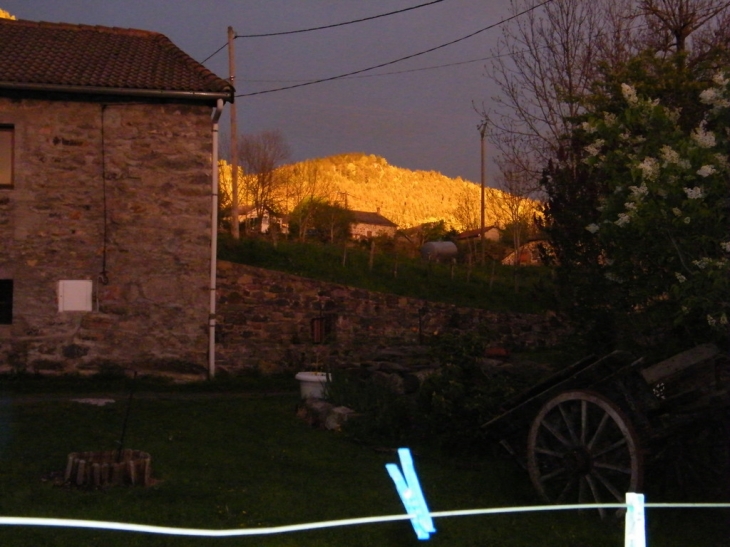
121	91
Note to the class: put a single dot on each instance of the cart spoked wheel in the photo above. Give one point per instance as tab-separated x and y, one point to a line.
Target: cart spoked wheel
582	449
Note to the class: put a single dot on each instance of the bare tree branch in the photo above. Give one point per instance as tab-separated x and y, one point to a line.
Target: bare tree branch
260	155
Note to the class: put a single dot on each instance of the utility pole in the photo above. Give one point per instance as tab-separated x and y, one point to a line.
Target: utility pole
234	138
482	130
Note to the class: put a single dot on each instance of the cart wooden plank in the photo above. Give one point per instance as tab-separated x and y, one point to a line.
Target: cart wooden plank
677	363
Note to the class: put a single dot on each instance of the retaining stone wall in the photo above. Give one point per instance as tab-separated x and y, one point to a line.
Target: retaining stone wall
265	317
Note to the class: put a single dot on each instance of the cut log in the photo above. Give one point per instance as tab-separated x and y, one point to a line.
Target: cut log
97	469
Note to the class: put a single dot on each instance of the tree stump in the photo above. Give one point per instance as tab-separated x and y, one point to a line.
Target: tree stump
109	468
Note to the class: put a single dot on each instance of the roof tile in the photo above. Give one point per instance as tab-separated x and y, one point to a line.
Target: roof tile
39	53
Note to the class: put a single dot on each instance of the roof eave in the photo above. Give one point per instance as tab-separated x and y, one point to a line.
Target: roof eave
206	96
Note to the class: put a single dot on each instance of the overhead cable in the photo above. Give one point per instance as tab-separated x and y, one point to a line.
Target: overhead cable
214	53
396	72
320	28
341	76
337	24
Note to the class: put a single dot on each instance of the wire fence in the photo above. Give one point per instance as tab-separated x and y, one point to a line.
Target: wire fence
409	489
172	531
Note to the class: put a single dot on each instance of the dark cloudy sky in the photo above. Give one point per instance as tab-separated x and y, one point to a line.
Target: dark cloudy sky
421	117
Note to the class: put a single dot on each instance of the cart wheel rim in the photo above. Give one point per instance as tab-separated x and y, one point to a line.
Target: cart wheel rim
581	448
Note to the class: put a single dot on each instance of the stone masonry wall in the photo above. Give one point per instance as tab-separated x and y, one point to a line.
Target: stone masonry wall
265	322
120	187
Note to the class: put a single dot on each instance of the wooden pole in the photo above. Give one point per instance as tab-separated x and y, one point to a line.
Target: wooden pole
234	138
482	130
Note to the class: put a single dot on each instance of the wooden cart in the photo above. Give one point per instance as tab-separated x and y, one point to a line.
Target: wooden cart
587	433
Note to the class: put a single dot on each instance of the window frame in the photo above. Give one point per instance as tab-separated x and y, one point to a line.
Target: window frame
8	129
6	301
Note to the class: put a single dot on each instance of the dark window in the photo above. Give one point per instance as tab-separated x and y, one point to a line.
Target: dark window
6	301
7	137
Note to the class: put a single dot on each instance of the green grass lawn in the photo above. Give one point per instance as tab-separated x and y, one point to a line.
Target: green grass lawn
232	460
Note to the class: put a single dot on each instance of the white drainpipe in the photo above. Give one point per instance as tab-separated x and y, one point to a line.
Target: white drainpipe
213	240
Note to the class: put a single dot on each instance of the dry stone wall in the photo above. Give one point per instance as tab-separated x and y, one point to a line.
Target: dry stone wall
265	322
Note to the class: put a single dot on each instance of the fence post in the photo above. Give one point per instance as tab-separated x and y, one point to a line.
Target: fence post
635	523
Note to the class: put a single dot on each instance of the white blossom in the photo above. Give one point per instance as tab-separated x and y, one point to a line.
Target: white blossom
723	319
693	193
649	168
595	148
629	94
630	206
725	246
706	170
680	277
704	138
677	212
669	155
638	191
721	160
687	220
709	96
588	127
623	218
702	263
609	118
592	228
719	79
711	320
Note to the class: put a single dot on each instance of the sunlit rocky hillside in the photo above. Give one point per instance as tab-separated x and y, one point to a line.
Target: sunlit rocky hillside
368	183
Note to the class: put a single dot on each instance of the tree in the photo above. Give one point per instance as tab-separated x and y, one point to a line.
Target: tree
515	206
260	155
564	63
544	63
548	60
670	23
654	241
303	218
306	188
6	15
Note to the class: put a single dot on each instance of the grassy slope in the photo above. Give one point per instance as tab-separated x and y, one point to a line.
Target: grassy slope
415	278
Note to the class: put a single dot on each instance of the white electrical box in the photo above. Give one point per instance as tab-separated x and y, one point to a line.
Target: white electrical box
74	295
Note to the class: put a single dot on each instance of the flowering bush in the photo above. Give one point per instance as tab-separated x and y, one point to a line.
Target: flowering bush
662	217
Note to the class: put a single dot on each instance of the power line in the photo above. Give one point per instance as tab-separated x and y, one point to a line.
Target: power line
337	24
340	76
396	72
214	53
320	28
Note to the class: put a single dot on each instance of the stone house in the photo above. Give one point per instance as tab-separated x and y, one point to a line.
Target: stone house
368	224
248	216
491	233
529	255
107	141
